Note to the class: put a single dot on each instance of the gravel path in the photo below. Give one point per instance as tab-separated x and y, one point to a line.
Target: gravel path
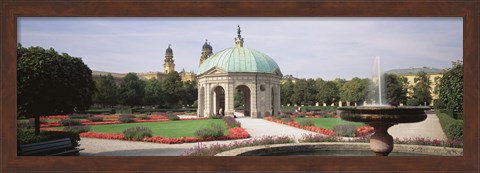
429	128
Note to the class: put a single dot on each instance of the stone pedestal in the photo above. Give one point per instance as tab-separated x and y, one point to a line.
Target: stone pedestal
381	142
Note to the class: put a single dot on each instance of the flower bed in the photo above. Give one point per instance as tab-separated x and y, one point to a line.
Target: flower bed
235	133
108	119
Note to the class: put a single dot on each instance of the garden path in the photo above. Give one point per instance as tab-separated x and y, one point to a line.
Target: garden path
430	128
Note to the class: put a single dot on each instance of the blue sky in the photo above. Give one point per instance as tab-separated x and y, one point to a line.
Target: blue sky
307	47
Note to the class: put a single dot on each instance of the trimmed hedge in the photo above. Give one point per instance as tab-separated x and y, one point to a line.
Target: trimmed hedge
137	133
453	128
101	111
346	130
70	122
214	131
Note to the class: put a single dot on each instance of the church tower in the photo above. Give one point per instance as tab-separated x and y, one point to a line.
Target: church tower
168	66
206	51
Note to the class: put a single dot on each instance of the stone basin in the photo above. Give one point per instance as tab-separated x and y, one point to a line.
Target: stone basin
381	118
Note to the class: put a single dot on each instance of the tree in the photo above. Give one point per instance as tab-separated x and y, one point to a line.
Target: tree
132	90
421	90
238	98
189	93
327	92
355	90
172	85
310	93
286	92
299	90
396	93
153	92
451	87
106	93
51	83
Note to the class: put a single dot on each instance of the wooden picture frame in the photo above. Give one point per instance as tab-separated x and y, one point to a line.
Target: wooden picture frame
10	10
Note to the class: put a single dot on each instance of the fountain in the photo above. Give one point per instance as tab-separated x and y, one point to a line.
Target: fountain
382	117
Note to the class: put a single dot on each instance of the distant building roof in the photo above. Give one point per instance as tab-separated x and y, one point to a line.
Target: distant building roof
414	71
286	77
104	73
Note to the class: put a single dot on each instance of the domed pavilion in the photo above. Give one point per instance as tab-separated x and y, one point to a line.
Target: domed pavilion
251	72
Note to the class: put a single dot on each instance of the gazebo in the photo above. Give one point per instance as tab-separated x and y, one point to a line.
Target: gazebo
253	73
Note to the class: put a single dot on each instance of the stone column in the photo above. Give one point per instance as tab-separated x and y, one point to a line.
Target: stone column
276	105
253	100
229	95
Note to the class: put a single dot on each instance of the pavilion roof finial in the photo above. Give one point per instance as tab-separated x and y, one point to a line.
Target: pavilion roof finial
239	39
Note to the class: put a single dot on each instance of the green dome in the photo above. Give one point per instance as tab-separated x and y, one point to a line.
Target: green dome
240	59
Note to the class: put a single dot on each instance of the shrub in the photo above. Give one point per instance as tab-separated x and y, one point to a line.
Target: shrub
172	117
287	119
126	118
455	130
95	119
303	123
79	116
300	115
232	122
144	116
76	129
213	116
347	130
69	122
452	128
281	116
215	130
137	133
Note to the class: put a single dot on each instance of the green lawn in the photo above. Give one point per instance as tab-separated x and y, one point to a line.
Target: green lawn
329	123
185	128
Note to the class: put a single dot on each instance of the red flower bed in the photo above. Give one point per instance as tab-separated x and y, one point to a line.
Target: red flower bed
364	130
102	135
54	117
51	124
319	130
235	133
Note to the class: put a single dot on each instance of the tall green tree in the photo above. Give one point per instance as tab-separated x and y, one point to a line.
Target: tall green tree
421	90
153	92
173	87
396	93
299	90
238	97
286	92
51	83
132	90
189	93
310	93
106	93
328	92
355	90
451	87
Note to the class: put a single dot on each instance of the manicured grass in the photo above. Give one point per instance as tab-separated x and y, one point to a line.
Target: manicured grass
329	123
173	129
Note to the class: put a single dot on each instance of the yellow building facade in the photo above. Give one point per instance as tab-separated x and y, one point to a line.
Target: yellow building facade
433	74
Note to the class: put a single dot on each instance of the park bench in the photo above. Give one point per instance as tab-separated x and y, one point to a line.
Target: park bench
51	148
